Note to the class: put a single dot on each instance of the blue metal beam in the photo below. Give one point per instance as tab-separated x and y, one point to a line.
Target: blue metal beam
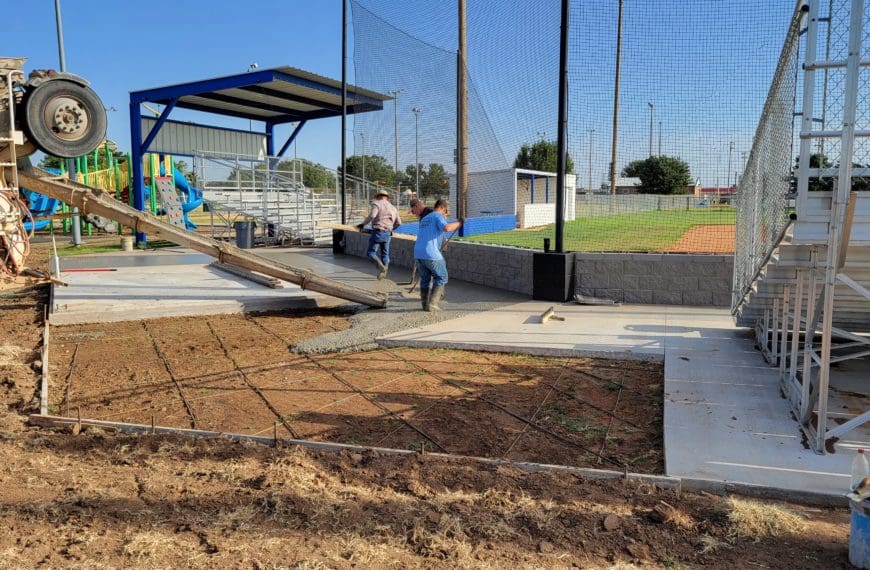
137	186
158	125
292	138
160	94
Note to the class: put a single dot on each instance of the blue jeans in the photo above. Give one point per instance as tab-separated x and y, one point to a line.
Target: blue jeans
432	270
379	240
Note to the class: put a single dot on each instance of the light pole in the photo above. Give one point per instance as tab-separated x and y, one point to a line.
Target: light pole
70	163
416	111
395	94
251	68
660	138
730	150
591	132
651	113
365	180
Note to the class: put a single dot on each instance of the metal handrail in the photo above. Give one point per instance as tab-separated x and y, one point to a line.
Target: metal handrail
764	261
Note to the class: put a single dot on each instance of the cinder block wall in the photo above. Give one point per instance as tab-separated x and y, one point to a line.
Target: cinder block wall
505	268
660	279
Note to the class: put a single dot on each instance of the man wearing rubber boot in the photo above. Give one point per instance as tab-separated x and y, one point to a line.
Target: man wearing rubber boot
384	218
427	254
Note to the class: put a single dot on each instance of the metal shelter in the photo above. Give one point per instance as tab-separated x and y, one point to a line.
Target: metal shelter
273	96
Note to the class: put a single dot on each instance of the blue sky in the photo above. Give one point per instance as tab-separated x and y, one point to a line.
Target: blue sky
706	64
126	46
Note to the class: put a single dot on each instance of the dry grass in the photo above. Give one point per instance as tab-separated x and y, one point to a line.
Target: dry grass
10	355
757	520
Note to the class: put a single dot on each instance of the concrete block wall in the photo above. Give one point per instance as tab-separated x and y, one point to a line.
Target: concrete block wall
505	268
640	278
660	279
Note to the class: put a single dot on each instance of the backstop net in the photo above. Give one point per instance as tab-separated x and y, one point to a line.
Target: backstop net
655	167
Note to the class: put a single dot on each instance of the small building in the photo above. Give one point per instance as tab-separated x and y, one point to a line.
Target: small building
520	197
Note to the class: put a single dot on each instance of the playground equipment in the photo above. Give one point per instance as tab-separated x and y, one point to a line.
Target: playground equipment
71	122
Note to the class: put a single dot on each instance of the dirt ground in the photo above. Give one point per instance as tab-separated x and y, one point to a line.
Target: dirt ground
105	500
706	239
236	373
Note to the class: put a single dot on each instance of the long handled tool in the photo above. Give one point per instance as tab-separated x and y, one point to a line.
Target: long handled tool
415	279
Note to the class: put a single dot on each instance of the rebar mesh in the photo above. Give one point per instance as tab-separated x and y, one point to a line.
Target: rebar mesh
693	83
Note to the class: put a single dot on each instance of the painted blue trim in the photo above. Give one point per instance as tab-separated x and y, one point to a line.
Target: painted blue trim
547	190
157	126
293	136
533	189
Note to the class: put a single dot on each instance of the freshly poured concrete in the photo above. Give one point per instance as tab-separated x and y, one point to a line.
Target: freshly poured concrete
724	417
147	285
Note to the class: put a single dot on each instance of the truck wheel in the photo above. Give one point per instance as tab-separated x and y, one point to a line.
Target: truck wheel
64	119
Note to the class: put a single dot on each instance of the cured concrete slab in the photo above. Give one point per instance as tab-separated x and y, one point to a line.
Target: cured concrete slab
724	418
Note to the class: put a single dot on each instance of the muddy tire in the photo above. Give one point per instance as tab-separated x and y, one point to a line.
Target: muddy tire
64	119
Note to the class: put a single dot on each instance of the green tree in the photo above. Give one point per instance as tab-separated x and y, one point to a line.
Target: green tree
314	174
541	155
433	181
377	169
660	175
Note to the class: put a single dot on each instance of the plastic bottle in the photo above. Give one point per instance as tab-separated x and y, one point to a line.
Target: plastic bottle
860	468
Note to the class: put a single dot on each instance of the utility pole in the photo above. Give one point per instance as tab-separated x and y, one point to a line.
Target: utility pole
70	162
652	108
395	94
591	132
461	120
416	111
251	68
615	135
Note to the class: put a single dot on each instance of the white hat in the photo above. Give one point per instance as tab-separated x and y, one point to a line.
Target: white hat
382	192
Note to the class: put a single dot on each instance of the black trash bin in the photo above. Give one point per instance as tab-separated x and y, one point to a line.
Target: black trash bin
244	234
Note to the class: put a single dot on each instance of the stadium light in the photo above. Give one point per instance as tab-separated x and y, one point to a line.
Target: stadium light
416	111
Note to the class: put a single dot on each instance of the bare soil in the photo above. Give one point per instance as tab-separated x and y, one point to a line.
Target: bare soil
104	500
706	239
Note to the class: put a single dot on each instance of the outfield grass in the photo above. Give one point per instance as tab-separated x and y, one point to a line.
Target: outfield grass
642	231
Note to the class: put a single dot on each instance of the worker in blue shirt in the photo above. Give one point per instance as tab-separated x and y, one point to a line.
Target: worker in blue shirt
427	254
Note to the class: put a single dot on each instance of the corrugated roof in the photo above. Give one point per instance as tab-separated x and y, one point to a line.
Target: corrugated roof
277	95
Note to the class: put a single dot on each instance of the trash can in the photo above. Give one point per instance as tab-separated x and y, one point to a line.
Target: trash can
859	537
244	234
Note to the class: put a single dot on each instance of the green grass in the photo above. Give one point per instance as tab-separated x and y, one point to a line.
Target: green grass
105	244
643	231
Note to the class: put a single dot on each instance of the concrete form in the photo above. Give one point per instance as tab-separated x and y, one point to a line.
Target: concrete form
724	417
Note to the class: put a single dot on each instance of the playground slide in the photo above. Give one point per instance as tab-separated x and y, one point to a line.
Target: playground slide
44	206
194	197
40	206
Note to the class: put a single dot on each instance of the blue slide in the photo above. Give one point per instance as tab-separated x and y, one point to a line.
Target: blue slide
194	197
40	206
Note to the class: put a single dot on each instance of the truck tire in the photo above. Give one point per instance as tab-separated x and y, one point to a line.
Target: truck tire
64	119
